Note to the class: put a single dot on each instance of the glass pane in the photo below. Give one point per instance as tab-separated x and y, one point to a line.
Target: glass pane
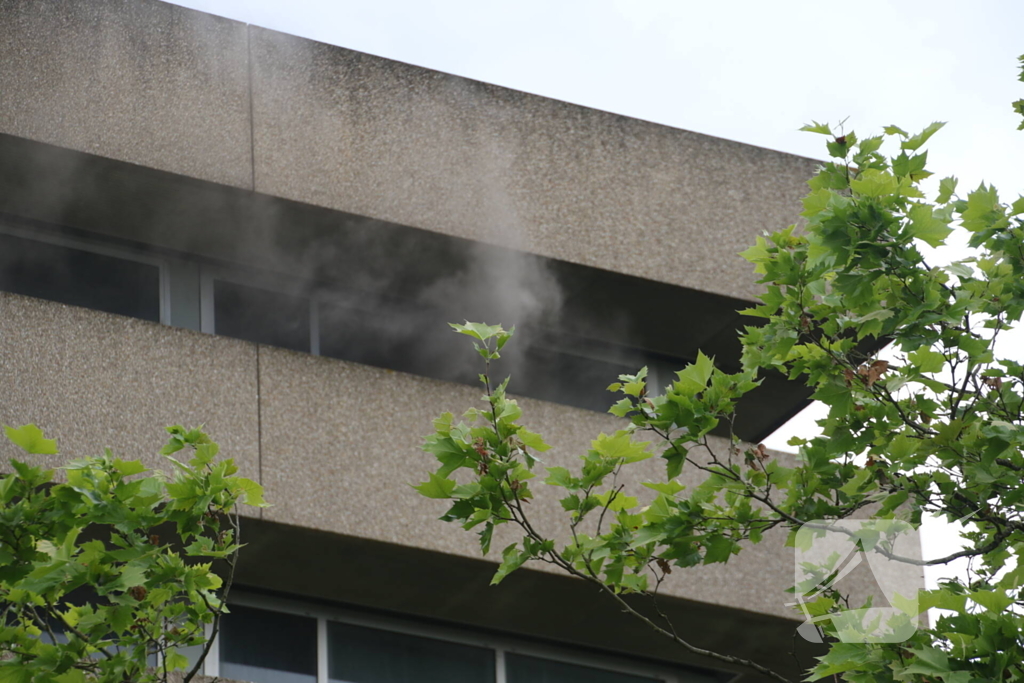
415	342
367	655
261	315
79	278
568	379
267	647
523	669
397	338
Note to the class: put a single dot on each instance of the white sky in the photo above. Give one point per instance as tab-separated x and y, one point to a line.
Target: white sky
747	70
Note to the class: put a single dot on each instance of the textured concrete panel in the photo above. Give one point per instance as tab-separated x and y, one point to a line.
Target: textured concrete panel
93	380
341	444
137	80
397	142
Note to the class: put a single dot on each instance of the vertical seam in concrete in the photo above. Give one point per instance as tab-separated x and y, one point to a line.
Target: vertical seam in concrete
259	424
252	126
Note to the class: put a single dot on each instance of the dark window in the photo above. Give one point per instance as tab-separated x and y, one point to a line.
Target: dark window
79	278
261	315
567	378
367	655
267	647
398	338
523	669
421	343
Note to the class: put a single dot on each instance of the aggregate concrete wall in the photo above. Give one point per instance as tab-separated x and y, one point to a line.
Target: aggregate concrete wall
93	380
372	136
341	444
136	80
335	444
179	90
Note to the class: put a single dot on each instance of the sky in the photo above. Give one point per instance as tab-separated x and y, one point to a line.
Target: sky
750	71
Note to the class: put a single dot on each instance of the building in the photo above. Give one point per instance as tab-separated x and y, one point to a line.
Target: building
207	222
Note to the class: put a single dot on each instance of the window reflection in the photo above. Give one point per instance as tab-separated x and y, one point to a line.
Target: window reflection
267	647
79	278
523	669
367	655
261	315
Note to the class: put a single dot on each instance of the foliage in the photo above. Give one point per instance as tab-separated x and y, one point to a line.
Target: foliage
935	427
105	577
1018	106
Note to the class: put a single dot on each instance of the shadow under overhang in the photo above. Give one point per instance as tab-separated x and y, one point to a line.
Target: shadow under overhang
152	209
299	562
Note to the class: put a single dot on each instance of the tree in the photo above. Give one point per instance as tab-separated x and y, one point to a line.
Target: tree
935	427
1018	106
106	576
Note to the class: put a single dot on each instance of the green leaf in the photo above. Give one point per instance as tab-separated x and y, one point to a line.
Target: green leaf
857	481
875	183
636	583
674	462
927	360
204	454
869	145
694	377
131	575
436	487
815	127
717	548
531	440
30	438
947	187
559	476
1017	208
928	660
176	660
705	366
15	673
902	446
71	676
618	502
669	488
916	141
621	445
129	467
478	331
249	492
983	209
925	226
994	601
485	536
119	617
470	490
511	560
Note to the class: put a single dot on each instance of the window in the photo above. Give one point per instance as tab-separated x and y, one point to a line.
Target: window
268	647
261	315
272	640
368	655
267	308
524	669
62	271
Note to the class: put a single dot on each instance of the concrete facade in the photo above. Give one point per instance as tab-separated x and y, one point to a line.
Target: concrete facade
168	88
333	443
145	82
92	380
218	148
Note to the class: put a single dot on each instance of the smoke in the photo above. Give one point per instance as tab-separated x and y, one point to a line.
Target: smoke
498	285
438	227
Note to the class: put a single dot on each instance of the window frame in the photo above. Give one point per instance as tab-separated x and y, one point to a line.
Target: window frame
95	246
500	644
270	282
